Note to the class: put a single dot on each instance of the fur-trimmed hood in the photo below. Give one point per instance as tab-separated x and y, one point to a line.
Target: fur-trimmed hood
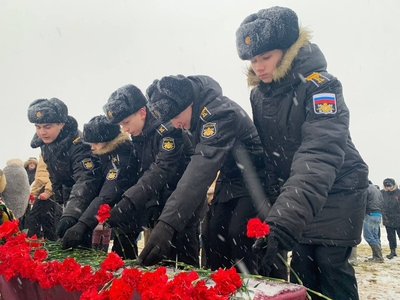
112	145
296	61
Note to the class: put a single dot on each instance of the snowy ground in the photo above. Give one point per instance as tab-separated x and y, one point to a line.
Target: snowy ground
378	281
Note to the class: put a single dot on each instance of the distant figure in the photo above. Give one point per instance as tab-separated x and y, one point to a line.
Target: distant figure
16	191
30	167
391	213
372	222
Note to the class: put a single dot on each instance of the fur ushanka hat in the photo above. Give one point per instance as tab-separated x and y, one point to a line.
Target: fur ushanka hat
44	111
169	96
125	101
269	29
100	130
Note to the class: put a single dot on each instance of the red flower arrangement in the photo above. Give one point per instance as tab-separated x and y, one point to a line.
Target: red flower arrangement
256	228
103	213
23	258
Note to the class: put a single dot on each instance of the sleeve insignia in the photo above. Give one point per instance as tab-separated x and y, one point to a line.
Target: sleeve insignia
209	130
168	144
316	78
112	174
204	114
162	129
87	163
324	104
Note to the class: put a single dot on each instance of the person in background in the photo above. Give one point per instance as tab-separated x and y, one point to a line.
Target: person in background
30	167
162	153
3	182
74	172
372	222
303	122
40	216
225	140
391	213
119	168
16	191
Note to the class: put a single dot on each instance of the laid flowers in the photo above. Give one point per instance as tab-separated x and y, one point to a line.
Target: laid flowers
28	258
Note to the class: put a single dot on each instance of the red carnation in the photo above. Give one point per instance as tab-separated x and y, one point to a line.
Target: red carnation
256	228
8	228
103	213
112	262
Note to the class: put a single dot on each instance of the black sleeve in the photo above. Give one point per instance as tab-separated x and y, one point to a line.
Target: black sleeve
86	172
119	176
317	161
160	172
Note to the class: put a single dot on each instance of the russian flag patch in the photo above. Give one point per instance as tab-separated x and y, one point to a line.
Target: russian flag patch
325	103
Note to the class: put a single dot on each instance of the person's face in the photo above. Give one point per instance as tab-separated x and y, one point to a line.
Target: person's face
265	64
183	119
134	123
48	132
389	187
32	166
97	146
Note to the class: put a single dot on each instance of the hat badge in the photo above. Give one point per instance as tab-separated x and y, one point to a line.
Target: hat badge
109	113
247	40
38	114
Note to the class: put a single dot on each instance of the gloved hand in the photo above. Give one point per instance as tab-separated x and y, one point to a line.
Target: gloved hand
122	213
277	239
158	246
74	236
152	215
64	224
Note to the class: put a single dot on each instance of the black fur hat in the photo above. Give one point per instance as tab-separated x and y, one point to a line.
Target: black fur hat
43	111
389	182
169	96
99	130
125	101
269	29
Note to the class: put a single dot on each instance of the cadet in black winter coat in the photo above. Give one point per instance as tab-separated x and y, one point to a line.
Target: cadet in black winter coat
303	122
74	172
391	213
162	155
225	140
119	168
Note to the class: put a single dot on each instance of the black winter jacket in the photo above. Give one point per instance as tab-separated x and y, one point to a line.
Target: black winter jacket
391	208
374	199
163	153
225	139
308	148
119	167
75	173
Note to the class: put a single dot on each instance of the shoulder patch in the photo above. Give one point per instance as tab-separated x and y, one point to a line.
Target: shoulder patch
205	113
168	144
316	78
76	140
209	130
112	174
87	163
324	103
162	129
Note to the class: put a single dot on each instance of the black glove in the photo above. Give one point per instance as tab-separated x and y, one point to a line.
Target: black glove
74	236
64	224
152	215
277	239
122	213
158	246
